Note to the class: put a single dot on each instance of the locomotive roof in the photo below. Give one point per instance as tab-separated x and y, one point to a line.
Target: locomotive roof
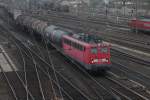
88	38
85	39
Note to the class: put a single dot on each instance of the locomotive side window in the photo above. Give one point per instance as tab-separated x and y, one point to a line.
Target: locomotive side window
67	41
104	50
82	48
72	44
75	45
94	50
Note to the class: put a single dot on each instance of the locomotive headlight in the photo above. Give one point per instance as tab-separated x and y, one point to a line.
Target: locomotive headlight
92	62
104	60
95	60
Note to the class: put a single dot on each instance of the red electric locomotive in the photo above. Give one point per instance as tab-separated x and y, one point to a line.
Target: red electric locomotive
140	23
88	50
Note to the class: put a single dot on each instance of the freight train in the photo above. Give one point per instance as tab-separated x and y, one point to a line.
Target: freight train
141	23
87	50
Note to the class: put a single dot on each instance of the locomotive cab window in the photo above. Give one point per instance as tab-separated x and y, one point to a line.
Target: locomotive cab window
94	50
104	50
67	42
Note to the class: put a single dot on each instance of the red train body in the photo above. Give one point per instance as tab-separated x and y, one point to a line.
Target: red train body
93	56
140	23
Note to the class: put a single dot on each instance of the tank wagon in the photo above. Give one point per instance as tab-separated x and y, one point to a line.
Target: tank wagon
141	23
88	50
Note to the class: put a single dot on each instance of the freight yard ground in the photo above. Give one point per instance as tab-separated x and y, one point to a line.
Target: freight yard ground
35	64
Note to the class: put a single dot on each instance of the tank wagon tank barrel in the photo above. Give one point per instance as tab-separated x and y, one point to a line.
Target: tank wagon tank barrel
40	27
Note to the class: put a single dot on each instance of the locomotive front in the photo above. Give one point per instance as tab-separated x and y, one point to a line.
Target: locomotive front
99	57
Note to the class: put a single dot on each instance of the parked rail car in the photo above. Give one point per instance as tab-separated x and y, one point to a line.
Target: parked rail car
140	23
88	50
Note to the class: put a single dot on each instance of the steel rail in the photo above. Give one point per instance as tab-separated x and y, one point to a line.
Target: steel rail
61	15
25	73
37	46
121	94
17	76
47	74
9	84
38	77
139	96
24	85
132	58
125	69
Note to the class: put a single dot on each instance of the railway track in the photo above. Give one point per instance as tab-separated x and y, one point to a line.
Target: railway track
14	81
131	78
131	74
131	93
129	57
103	19
128	42
135	84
